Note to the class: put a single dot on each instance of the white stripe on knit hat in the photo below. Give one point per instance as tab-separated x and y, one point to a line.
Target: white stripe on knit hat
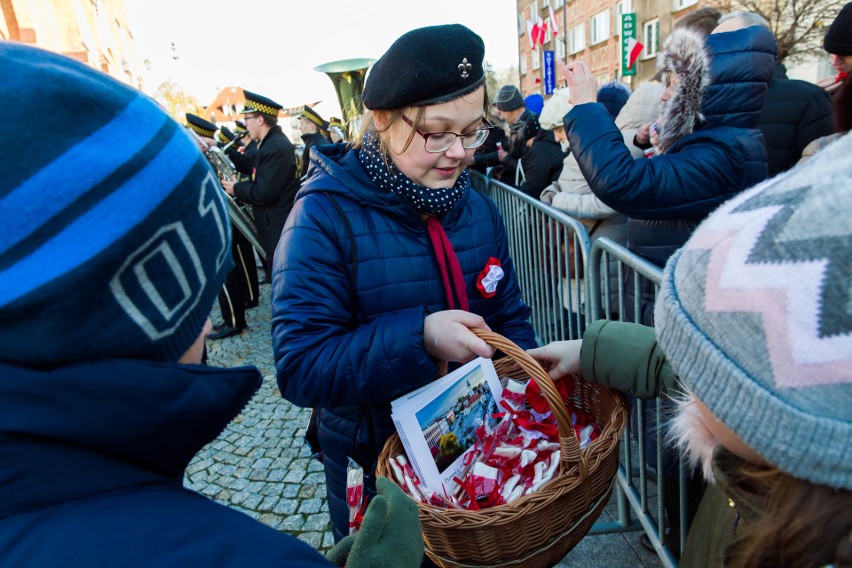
787	293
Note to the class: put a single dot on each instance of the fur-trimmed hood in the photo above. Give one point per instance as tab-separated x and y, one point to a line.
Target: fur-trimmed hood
723	80
683	55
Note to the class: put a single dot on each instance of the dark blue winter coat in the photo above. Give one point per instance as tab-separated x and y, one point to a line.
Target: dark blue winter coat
665	197
351	351
92	458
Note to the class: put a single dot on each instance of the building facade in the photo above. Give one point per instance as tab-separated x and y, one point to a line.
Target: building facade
590	30
94	32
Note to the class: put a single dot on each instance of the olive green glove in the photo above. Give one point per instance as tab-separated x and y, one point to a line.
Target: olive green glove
390	534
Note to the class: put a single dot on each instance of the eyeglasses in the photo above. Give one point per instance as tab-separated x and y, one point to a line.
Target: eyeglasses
245	118
437	142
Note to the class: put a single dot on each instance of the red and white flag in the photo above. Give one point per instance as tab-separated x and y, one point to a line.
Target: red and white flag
532	32
634	48
542	31
552	19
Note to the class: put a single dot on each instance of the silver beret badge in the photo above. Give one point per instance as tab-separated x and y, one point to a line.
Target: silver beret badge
464	68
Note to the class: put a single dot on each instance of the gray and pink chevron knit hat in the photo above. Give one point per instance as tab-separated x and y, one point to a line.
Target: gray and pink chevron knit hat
755	316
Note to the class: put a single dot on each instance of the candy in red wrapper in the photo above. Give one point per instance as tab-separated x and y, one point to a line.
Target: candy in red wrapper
355	495
539	403
484	479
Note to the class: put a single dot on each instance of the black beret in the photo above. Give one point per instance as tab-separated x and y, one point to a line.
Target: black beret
838	39
200	126
426	66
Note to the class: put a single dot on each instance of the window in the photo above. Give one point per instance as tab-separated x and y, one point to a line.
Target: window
651	37
522	26
559	47
546	3
558	4
681	4
599	27
534	12
621	8
536	57
548	34
577	39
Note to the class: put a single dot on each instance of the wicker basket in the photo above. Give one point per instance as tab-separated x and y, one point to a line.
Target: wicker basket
539	529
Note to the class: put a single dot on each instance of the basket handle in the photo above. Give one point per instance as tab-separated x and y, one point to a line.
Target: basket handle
568	441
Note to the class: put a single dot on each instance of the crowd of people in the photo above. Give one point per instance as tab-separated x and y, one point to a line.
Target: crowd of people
376	250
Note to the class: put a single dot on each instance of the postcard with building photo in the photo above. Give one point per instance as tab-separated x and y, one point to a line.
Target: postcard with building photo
439	423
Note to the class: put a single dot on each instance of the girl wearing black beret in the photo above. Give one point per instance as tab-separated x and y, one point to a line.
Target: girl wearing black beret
389	257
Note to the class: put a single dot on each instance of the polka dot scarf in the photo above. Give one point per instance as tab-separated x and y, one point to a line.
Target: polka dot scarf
389	179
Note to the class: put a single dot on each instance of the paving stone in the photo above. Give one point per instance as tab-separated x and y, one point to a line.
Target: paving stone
294	476
276	475
286	507
312	538
310	505
292	523
317	522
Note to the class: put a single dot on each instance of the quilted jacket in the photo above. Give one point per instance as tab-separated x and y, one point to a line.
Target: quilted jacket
666	196
349	304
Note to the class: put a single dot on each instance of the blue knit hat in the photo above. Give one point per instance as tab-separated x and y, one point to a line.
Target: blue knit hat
755	316
114	238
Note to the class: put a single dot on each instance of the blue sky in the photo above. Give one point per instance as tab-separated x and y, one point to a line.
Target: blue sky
271	47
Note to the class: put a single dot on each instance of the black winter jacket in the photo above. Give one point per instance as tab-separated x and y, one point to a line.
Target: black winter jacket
542	164
795	114
273	185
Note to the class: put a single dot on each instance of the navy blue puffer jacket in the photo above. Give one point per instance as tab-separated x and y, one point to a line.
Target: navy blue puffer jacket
666	196
92	457
350	351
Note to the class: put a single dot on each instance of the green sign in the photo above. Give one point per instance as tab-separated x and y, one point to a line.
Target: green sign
628	32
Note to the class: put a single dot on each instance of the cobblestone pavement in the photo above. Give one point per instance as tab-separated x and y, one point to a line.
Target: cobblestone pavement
259	464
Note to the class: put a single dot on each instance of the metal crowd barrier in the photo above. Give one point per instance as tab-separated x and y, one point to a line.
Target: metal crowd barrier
549	250
569	287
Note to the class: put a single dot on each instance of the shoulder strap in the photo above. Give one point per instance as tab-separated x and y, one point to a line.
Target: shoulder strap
353	274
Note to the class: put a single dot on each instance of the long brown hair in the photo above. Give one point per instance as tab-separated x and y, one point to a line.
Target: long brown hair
797	523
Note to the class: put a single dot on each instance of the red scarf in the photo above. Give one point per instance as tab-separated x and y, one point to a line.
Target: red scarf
448	262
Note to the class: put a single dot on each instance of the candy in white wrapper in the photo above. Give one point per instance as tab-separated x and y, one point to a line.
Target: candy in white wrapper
516	492
527	457
585	435
509	486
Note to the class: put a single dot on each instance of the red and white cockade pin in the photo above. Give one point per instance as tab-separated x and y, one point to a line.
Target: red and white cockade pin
487	280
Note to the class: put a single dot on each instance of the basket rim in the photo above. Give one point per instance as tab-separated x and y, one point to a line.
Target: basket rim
569	444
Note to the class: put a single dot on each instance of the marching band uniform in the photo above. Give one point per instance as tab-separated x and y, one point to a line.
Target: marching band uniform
249	151
312	139
246	259
234	293
272	187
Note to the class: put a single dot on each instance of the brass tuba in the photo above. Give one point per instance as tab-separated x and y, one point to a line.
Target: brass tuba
348	78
